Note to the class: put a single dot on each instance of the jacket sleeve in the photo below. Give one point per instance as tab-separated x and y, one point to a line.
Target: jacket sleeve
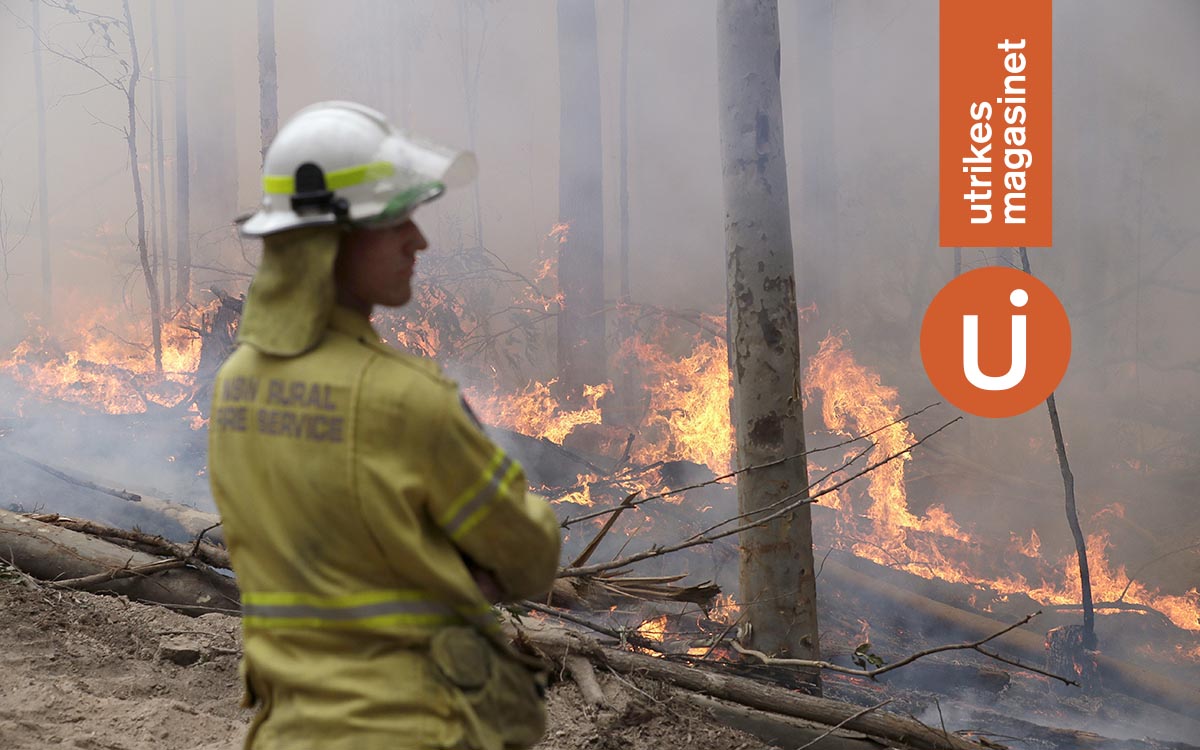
480	499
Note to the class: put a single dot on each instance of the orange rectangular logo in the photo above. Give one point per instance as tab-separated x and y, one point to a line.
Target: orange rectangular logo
994	147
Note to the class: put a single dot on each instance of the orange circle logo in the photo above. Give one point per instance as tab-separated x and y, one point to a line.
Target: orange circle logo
995	342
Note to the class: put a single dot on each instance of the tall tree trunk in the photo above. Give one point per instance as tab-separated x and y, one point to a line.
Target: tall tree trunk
778	586
214	183
622	407
183	249
152	238
623	159
268	96
131	139
581	356
820	264
43	190
159	165
470	74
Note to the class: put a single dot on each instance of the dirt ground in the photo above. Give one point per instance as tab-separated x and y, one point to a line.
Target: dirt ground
88	671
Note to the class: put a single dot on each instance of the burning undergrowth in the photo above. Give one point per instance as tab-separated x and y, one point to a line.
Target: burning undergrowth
659	425
102	365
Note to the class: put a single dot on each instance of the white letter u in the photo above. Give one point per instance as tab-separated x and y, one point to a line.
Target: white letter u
1016	370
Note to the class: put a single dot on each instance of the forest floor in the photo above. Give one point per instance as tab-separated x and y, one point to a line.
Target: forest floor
88	671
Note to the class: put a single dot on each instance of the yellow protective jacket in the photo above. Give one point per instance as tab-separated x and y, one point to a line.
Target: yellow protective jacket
355	491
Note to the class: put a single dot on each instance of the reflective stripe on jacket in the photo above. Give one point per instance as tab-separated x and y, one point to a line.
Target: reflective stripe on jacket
353	488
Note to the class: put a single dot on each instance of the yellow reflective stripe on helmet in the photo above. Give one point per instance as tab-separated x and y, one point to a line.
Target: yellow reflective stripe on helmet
285	184
474	511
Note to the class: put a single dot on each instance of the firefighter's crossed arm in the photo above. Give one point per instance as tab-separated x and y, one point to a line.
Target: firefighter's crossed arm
482	503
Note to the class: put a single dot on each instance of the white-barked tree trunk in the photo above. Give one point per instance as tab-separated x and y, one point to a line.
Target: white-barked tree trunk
778	588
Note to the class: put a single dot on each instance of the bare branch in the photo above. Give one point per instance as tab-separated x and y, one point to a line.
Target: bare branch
88	582
846	721
873	673
716	480
622	635
700	539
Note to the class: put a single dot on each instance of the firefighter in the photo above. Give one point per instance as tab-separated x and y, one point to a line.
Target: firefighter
370	521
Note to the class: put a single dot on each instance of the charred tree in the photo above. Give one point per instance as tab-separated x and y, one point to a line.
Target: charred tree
159	165
154	209
131	139
1060	446
778	587
268	86
43	204
581	354
102	46
183	248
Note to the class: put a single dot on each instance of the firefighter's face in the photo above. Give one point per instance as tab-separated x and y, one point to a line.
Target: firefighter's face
375	266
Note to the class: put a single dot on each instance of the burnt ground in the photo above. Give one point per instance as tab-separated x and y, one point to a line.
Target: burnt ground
88	671
96	672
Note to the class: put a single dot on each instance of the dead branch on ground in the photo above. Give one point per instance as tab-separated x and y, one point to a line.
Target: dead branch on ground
873	673
896	731
1121	676
843	723
87	583
204	551
75	559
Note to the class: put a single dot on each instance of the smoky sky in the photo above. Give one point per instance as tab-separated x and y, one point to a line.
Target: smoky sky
1126	259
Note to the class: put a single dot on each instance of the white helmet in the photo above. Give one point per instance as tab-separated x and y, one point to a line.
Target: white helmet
336	162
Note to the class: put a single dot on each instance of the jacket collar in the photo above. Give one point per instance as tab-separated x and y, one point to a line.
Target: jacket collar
355	325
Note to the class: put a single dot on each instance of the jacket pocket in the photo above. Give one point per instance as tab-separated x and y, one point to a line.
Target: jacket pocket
505	696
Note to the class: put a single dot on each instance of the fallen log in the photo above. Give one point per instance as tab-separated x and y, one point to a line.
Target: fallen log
209	554
193	521
50	553
556	643
585	678
1001	725
1117	675
776	730
602	592
165	516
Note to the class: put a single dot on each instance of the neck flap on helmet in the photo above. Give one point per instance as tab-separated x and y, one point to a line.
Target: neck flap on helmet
293	293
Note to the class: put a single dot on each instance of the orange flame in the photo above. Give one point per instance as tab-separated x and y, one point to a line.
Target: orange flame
104	369
855	401
654	630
